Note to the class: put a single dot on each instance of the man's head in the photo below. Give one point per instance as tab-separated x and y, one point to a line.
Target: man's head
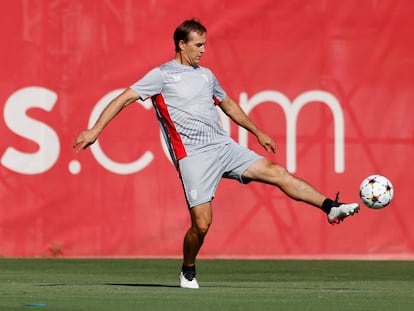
189	40
183	31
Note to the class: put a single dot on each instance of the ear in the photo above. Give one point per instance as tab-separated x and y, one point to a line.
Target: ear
181	44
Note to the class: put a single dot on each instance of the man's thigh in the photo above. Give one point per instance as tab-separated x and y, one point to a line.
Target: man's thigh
265	171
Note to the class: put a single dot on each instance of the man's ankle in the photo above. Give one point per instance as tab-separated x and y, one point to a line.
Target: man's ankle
189	271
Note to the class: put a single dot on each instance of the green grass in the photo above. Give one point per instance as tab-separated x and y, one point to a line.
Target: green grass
151	284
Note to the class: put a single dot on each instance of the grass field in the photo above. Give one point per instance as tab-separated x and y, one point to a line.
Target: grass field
151	284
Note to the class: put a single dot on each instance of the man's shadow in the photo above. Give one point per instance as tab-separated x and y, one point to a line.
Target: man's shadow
142	285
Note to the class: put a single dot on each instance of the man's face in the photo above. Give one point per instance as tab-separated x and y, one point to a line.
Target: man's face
193	49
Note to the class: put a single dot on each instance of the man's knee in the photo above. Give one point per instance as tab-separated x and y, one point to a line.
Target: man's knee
201	228
201	217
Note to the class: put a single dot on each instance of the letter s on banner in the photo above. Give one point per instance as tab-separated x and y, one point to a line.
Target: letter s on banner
100	156
17	121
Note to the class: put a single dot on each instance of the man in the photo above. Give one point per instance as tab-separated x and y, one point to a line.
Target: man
185	96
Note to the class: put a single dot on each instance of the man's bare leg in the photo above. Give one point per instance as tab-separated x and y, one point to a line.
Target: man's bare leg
268	172
201	217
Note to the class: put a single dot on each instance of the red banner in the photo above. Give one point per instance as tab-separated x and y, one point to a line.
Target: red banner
331	82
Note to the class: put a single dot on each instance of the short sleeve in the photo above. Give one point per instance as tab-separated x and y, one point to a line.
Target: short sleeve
218	91
149	85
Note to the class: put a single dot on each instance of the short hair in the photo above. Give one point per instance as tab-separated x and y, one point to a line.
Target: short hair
183	31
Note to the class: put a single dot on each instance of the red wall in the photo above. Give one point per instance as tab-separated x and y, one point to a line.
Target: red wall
351	62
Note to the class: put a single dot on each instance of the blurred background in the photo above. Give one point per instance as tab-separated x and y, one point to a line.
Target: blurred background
350	63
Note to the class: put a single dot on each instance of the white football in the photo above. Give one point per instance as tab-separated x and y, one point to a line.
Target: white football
376	191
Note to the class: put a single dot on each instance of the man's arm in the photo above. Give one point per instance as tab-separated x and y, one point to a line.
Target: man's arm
233	110
89	136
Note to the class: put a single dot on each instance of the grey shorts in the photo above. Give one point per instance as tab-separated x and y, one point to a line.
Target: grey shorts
201	173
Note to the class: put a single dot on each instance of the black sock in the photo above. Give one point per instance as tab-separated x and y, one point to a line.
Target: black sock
327	205
189	272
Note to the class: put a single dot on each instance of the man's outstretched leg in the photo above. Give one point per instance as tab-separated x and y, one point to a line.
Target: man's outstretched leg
268	172
201	217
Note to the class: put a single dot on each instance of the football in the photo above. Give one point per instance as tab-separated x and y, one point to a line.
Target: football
376	191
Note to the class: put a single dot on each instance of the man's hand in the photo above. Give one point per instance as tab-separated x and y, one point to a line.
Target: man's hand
85	139
267	143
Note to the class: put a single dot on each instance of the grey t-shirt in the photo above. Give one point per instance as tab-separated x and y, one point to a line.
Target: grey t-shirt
185	100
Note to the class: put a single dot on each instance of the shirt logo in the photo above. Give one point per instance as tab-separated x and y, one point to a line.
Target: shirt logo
176	77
